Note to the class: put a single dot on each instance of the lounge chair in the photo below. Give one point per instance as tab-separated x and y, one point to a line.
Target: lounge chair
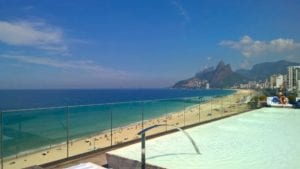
275	102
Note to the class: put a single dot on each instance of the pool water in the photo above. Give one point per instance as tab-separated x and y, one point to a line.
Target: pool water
262	139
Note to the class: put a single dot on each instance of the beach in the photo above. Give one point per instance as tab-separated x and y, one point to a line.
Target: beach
213	109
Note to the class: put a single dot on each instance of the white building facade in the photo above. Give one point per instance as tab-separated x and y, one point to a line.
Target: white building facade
293	77
279	81
273	81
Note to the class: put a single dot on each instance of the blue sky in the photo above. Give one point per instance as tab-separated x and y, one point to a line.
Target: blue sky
138	43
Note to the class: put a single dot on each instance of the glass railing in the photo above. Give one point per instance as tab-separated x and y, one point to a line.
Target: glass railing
38	136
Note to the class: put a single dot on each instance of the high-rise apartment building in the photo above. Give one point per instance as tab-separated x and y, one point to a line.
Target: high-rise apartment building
273	81
293	77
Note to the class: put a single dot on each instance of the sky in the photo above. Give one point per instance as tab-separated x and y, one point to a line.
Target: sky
138	43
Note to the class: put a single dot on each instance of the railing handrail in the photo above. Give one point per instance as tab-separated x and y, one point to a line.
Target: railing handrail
100	104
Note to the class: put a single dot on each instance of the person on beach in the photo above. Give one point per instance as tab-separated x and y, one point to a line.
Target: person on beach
282	98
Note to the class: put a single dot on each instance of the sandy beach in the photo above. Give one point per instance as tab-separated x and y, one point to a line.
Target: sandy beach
216	108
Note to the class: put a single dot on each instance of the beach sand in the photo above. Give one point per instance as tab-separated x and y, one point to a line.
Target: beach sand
217	108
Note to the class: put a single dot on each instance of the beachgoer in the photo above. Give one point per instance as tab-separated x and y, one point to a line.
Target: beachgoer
282	98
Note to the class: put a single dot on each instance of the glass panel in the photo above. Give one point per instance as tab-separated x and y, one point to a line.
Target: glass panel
245	100
126	121
33	137
176	112
235	103
89	128
155	113
173	113
206	108
216	107
191	111
227	105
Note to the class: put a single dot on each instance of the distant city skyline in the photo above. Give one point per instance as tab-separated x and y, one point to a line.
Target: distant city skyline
138	44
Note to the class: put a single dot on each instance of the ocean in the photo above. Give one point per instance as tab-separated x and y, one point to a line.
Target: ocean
38	118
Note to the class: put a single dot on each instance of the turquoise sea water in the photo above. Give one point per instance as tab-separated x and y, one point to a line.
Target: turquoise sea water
25	130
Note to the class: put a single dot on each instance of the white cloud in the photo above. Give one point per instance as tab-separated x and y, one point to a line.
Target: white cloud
81	65
34	34
181	10
249	47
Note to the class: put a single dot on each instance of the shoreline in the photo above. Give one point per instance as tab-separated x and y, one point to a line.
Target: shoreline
126	133
107	130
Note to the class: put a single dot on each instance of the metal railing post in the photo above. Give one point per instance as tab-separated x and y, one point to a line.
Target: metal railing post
143	152
166	120
184	116
231	103
211	100
68	125
236	104
143	109
19	135
222	106
199	112
111	128
142	133
1	138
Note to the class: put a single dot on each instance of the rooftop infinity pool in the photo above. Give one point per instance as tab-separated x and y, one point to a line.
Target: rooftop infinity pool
261	139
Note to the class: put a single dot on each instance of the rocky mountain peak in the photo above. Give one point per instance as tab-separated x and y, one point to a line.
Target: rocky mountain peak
221	64
221	76
222	67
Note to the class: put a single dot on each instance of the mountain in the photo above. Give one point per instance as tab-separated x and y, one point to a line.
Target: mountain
263	71
220	77
223	77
